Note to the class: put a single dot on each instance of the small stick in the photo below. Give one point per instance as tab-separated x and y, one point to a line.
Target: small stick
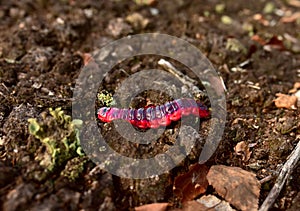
190	83
285	172
183	78
266	179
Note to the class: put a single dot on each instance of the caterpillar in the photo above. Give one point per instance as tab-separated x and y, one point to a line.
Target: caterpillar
155	116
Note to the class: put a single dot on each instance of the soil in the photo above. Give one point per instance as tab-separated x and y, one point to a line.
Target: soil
44	45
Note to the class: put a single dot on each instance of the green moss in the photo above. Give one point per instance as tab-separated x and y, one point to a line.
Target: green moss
60	135
235	46
105	98
74	168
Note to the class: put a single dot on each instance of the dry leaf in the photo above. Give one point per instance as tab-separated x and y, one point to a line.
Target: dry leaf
209	203
191	206
242	149
273	43
237	186
191	184
285	101
295	3
212	203
295	87
152	207
292	18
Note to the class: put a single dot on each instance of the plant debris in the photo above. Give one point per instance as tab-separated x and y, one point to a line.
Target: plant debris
285	101
242	149
152	207
237	186
191	184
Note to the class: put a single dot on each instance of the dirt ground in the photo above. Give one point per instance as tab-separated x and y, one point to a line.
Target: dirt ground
254	45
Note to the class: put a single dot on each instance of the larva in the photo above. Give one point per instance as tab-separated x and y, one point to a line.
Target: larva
155	116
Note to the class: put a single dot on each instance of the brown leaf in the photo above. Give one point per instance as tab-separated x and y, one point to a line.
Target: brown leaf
192	206
292	18
237	186
209	203
295	3
295	87
285	101
274	43
191	184
242	149
152	207
212	203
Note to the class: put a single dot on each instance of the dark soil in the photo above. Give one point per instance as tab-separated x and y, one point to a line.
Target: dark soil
42	51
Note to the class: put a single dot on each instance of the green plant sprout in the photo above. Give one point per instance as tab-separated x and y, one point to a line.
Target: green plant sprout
60	135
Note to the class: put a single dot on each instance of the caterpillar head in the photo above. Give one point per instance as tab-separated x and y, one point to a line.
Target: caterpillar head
102	114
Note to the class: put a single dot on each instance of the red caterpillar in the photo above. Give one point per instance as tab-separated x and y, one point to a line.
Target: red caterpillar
155	116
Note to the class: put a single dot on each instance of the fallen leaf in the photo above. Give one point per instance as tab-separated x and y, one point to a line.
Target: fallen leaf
292	18
295	3
214	204
210	202
191	206
242	149
191	184
285	101
295	88
152	207
274	43
237	186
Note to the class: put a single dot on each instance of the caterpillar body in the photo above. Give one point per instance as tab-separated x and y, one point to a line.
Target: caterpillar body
155	116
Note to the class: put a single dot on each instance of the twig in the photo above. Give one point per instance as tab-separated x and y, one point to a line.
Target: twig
190	83
266	179
285	172
183	78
